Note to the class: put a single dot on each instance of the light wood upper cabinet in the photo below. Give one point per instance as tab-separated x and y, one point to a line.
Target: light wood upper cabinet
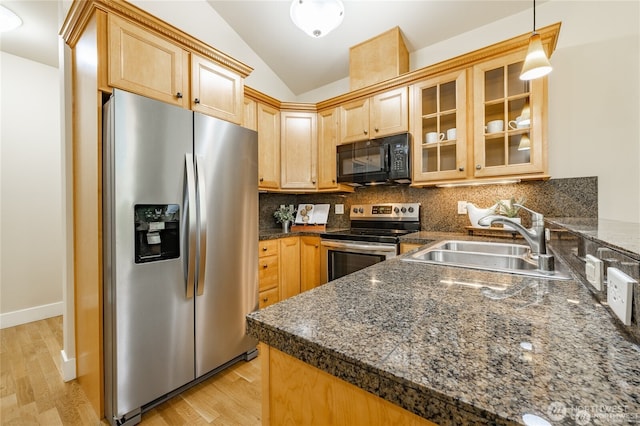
215	90
389	113
144	63
514	147
354	121
383	114
327	141
439	105
268	125
298	150
309	262
289	267
250	114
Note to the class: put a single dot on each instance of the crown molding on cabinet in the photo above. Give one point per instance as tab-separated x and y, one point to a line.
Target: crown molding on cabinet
549	35
81	12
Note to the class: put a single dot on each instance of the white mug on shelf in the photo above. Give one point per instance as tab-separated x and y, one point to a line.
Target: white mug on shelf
519	123
434	137
495	126
451	134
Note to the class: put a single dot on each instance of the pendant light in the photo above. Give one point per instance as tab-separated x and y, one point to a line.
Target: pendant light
525	143
317	18
8	20
536	63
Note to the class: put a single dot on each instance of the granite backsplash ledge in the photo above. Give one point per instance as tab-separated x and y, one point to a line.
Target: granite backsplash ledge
567	197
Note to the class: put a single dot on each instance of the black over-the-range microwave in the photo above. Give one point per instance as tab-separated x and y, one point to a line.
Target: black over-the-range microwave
383	160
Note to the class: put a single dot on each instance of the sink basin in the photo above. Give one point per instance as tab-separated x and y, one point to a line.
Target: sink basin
500	257
484	247
488	260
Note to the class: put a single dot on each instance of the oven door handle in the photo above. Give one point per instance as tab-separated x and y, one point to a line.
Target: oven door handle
361	247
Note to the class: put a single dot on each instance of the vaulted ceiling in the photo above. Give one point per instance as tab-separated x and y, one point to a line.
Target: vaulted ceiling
301	62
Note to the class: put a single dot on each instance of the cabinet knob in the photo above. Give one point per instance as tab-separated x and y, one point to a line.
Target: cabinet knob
313	182
333	181
478	166
261	179
196	100
376	129
461	169
179	95
365	132
264	249
264	299
317	246
265	266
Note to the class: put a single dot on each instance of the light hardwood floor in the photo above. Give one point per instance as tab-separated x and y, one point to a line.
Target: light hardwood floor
32	391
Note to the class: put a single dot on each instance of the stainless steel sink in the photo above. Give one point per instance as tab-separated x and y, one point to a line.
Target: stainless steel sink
484	247
500	257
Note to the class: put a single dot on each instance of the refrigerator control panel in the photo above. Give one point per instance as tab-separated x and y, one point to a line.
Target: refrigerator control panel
157	232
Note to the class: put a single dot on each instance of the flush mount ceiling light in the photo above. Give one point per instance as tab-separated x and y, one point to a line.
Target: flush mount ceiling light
8	20
536	63
317	17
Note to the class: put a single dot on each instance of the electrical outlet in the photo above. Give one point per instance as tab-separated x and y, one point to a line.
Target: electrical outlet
462	207
594	270
620	293
339	208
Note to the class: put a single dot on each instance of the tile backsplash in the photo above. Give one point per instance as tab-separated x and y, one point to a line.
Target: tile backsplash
568	197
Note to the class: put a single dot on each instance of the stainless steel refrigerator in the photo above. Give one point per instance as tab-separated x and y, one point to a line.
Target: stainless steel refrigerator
180	210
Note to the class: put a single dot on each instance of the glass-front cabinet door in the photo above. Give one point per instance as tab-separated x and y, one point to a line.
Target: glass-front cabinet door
509	130
439	128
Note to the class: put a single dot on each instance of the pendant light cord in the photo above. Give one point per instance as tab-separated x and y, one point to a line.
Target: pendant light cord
534	16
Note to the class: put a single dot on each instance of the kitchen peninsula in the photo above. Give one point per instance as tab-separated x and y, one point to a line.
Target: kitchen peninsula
451	345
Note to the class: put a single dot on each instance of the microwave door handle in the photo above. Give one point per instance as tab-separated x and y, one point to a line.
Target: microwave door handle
387	166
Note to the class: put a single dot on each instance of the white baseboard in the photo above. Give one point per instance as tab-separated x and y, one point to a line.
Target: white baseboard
23	316
68	367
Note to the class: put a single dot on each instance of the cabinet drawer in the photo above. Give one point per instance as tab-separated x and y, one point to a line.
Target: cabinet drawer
268	297
268	272
268	248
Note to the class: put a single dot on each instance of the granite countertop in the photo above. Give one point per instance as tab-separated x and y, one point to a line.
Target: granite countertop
623	236
462	346
275	233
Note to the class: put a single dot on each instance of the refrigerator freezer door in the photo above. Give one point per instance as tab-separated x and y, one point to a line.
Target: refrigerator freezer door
149	327
227	160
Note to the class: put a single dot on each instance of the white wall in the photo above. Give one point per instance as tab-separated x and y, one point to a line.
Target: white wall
31	240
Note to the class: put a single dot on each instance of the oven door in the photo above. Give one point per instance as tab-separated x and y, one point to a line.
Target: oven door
340	258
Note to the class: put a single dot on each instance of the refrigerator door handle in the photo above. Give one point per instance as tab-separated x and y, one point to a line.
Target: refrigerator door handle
202	220
192	218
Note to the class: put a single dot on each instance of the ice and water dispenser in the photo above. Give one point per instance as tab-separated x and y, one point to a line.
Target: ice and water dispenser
157	232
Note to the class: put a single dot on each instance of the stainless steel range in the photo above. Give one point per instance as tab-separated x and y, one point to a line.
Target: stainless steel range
374	236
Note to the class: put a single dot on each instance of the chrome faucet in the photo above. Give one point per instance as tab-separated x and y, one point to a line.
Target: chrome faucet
535	236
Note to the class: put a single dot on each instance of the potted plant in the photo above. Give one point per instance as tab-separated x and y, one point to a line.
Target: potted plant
285	215
509	209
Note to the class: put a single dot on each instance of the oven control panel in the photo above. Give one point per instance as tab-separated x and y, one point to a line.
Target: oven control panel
386	211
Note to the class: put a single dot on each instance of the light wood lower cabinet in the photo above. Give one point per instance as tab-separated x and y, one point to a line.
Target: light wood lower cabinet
406	247
286	267
294	392
268	272
309	262
289	267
